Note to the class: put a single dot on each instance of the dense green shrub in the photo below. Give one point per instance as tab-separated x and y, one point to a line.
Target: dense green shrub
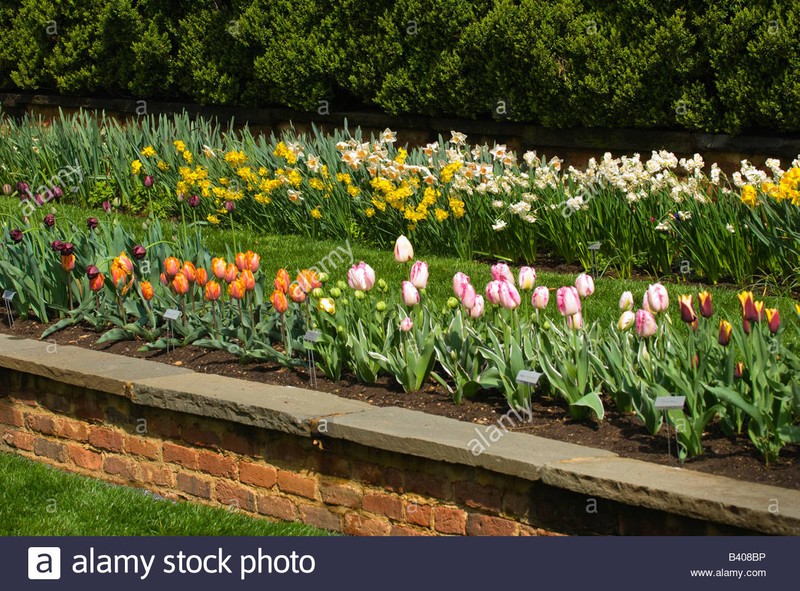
699	65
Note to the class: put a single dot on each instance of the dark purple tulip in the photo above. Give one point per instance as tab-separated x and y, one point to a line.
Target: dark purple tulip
194	201
58	192
67	249
49	220
57	245
16	235
7	189
139	252
22	187
107	206
148	181
39	199
92	272
230	206
92	223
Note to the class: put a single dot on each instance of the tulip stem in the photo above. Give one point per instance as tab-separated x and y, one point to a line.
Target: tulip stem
214	317
69	289
185	320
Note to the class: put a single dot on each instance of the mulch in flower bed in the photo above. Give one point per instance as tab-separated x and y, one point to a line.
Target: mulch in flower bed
622	434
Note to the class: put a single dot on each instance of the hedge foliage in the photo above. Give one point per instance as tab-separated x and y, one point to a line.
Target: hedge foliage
699	64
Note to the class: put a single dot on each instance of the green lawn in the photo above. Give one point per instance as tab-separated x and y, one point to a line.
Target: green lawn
42	501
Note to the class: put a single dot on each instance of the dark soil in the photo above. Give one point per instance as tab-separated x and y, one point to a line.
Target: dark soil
734	457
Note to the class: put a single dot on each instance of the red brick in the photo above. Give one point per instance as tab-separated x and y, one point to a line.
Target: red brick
85	458
155	474
200	436
383	504
257	475
178	454
234	495
86	408
403	530
73	430
297	484
449	520
427	485
143	447
20	440
320	517
388	478
164	424
417	514
486	525
216	464
478	496
104	438
50	449
120	466
42	423
527	530
278	507
193	485
10	415
240	445
335	465
358	525
341	493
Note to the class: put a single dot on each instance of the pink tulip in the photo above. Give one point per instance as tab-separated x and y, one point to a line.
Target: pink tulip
657	298
493	292
406	324
410	294
626	301
568	301
501	272
646	303
403	251
477	310
526	278
361	277
575	321
645	324
540	298
419	274
460	282
470	297
585	285
509	296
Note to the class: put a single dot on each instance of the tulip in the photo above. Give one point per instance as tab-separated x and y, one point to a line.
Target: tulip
123	261
213	291
645	323
626	301
230	206
410	294
501	272
540	297
202	277
568	301
797	310
92	223
296	293
58	192
509	296
327	305
189	271
67	248
493	292
49	220
460	281
309	280
279	302
252	261
361	277
706	309
106	207
657	298
57	245
92	272
147	290
236	289
526	278
282	280
759	306
746	326
725	329
646	303
419	274
7	189
248	279
118	276
218	268
406	325
163	279
231	273
39	199
470	297
68	262
452	303
738	370
172	266
749	311
96	283
403	251
585	285
773	319
148	181
15	235
139	252
23	187
687	309
194	201
241	261
477	310
180	284
626	320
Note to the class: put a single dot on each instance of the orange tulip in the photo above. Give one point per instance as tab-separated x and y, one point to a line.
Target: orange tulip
68	262
236	289
296	293
252	261
241	261
189	271
308	280
147	291
118	276
96	283
248	279
123	261
278	299
218	267
231	273
172	266
213	291
282	281
202	277
163	279
180	284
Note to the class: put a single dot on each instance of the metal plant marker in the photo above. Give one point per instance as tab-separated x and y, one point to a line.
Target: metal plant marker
665	403
311	337
593	248
8	296
170	315
529	378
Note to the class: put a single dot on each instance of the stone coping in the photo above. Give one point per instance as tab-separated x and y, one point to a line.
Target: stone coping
584	470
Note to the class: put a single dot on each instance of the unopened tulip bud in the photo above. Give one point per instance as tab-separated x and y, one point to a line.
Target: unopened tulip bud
773	319
336	292
139	252
317	292
725	329
380	306
148	181
706	307
626	320
49	220
452	303
359	295
626	301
